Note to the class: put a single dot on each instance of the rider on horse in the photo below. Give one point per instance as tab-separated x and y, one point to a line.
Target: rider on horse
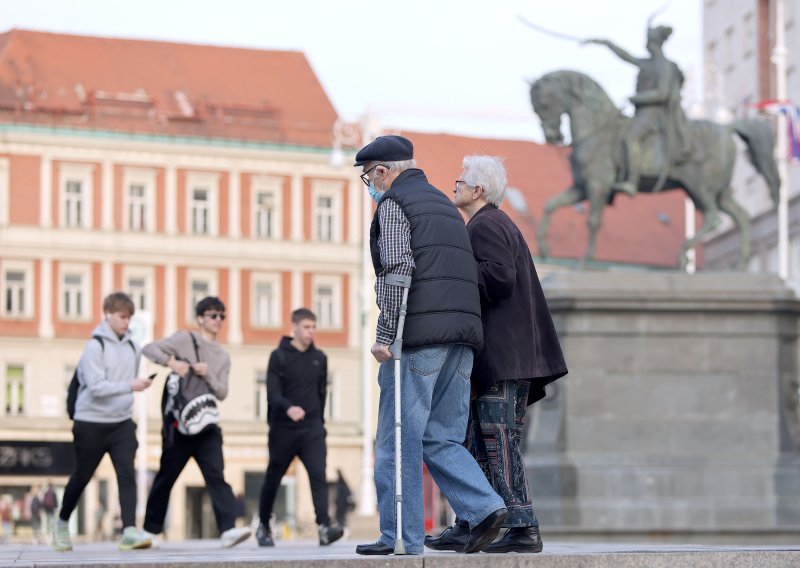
658	108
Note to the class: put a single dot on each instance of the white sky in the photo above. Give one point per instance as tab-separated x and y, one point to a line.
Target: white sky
457	66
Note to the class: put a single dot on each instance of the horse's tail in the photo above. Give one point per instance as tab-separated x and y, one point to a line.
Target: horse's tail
758	136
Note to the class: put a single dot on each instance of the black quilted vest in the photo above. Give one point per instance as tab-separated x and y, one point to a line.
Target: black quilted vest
443	302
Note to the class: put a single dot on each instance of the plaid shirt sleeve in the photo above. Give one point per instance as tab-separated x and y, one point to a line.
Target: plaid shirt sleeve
394	244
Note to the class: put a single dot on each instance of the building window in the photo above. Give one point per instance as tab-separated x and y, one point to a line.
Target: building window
138	198
202	189
76	196
327	215
73	295
325	218
75	292
325	307
137	290
137	207
73	204
200	283
327	301
15	390
261	395
265	215
265	302
266	206
17	290
200	290
200	211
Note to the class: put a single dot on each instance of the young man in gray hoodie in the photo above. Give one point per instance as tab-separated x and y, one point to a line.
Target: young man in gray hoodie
107	373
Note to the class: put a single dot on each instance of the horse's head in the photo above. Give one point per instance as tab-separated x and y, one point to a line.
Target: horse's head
574	93
548	103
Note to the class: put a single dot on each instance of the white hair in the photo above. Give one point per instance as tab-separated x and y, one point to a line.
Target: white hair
400	166
489	173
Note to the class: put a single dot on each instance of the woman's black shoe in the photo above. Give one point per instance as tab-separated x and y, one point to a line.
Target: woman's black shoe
518	539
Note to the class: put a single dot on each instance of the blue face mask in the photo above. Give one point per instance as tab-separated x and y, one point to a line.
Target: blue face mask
374	193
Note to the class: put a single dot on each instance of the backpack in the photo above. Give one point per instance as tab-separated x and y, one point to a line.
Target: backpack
75	384
50	502
189	417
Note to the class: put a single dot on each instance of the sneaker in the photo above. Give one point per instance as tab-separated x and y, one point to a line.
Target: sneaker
61	541
155	540
234	536
329	534
134	540
264	535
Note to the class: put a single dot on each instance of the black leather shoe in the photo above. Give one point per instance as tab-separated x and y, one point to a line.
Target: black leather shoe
518	539
264	535
484	532
376	549
452	538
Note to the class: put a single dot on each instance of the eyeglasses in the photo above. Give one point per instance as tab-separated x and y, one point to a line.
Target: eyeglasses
365	176
458	181
214	315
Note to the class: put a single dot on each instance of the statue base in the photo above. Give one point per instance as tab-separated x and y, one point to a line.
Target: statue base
679	412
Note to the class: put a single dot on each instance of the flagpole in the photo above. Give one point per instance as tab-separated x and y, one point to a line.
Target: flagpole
779	60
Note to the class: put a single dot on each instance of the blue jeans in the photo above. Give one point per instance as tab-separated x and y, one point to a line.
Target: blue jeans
435	408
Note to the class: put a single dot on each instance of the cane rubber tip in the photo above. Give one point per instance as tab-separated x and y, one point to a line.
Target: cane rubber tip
399	547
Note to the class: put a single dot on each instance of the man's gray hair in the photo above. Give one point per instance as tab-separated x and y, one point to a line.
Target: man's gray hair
489	173
400	166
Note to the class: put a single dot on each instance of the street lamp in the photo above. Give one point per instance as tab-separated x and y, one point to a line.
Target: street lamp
354	135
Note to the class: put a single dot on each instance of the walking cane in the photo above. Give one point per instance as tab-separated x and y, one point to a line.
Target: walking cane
395	348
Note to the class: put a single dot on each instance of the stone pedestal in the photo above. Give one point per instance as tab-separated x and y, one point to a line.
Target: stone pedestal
679	412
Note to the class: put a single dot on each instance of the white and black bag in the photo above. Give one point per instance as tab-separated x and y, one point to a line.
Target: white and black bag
189	416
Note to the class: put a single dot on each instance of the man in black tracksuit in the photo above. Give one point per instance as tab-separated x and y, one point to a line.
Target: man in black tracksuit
297	384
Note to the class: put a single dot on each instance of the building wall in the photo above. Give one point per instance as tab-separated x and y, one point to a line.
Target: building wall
738	38
134	229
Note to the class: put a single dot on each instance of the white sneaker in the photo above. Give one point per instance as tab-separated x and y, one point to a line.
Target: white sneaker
234	536
134	540
61	541
155	540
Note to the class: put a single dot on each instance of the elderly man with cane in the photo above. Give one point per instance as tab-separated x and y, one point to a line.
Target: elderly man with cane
420	249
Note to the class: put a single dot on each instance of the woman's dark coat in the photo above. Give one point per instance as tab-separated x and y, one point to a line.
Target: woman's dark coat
520	340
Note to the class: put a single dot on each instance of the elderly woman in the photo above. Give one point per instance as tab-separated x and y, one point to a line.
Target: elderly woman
521	354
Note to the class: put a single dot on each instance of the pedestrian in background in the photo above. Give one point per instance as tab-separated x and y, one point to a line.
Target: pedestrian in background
103	424
297	386
203	367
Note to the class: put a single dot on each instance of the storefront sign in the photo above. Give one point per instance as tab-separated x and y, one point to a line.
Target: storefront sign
36	458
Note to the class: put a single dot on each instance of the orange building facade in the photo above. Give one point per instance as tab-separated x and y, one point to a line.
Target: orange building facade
133	200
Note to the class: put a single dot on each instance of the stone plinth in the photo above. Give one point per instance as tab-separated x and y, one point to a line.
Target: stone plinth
679	412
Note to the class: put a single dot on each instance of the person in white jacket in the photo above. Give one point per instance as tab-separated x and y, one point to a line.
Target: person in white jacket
107	373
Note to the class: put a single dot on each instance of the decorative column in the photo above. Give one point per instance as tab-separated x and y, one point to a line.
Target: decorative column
234	310
171	201
46	298
46	192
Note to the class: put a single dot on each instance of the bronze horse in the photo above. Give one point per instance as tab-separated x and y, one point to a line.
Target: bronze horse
598	128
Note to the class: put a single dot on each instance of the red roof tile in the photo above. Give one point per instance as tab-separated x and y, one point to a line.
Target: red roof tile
631	232
161	87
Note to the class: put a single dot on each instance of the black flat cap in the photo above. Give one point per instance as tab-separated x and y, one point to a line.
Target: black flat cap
386	149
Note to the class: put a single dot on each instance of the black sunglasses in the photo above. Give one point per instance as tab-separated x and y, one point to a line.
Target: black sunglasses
214	315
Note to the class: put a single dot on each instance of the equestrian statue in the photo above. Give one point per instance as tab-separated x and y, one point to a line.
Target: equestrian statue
657	149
